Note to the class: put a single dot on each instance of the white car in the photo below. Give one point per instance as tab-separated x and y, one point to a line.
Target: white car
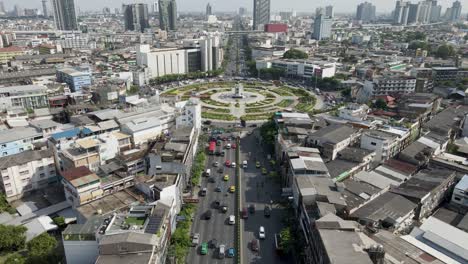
261	233
195	239
233	165
215	164
232	220
228	146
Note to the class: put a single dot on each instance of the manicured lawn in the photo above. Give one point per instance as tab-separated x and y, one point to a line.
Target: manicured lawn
135	220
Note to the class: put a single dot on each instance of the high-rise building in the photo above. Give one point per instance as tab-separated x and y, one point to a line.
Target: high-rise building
45	10
242	11
136	17
329	11
322	27
261	14
64	14
168	14
209	10
436	11
456	11
413	13
365	12
19	11
2	7
401	13
155	7
319	11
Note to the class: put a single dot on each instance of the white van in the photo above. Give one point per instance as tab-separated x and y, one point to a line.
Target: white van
208	172
244	164
232	219
221	252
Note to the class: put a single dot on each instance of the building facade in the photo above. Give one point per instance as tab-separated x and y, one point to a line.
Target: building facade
261	13
322	27
365	12
25	96
168	15
64	14
136	17
74	78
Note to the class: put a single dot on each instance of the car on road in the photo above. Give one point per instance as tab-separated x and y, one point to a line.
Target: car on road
218	142
208	214
234	146
204	248
224	208
261	232
222	153
226	177
218	189
244	164
212	179
244	213
252	208
257	164
232	220
217	153
233	165
267	211
203	192
228	163
254	245
220	170
264	171
232	189
195	239
221	251
216	204
215	164
228	145
213	243
250	132
231	253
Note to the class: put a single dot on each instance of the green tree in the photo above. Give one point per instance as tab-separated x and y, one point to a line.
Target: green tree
59	221
346	92
5	206
287	242
415	35
15	258
295	54
380	103
41	249
445	51
268	132
12	238
414	45
466	37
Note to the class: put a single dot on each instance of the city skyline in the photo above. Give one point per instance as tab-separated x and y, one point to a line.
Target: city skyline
382	6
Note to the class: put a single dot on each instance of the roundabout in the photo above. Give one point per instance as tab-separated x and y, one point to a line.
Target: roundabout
229	101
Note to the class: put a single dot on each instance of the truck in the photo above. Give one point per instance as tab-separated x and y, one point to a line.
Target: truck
212	148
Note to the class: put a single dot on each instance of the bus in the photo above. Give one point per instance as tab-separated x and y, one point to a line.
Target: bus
212	148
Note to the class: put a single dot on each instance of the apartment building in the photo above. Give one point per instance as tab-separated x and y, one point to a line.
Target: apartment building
27	171
388	85
76	79
23	96
300	68
460	193
17	140
81	186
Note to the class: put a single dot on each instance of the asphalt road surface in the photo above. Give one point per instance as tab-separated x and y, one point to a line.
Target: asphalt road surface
259	190
217	227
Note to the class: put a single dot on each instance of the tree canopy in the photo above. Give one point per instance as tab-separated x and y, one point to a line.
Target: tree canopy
12	238
15	258
327	83
445	51
414	45
295	54
380	103
41	249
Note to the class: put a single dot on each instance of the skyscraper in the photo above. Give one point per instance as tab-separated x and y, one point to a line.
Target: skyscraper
45	11
329	11
242	11
400	16
64	14
365	12
413	14
261	12
2	7
136	17
155	7
456	11
436	10
209	10
168	14
322	27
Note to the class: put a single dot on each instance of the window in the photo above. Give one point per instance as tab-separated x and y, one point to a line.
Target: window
373	144
40	168
9	192
42	175
4	154
6	178
21	149
3	145
7	185
22	173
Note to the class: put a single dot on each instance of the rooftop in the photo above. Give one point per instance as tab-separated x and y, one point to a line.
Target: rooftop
334	133
15	134
24	157
80	176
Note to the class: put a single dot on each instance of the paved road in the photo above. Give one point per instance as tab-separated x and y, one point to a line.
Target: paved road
217	227
259	189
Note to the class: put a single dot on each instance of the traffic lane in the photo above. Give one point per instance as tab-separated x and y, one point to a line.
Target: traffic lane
217	227
259	190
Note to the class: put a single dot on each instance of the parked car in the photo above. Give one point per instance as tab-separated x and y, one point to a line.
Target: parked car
261	233
195	239
204	248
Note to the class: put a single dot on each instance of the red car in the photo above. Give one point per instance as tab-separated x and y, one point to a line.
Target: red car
254	245
234	146
228	163
245	215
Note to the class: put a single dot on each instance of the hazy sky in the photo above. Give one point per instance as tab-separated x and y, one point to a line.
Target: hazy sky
348	6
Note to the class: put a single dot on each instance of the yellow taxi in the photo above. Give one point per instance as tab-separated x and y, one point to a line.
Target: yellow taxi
232	188
226	177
